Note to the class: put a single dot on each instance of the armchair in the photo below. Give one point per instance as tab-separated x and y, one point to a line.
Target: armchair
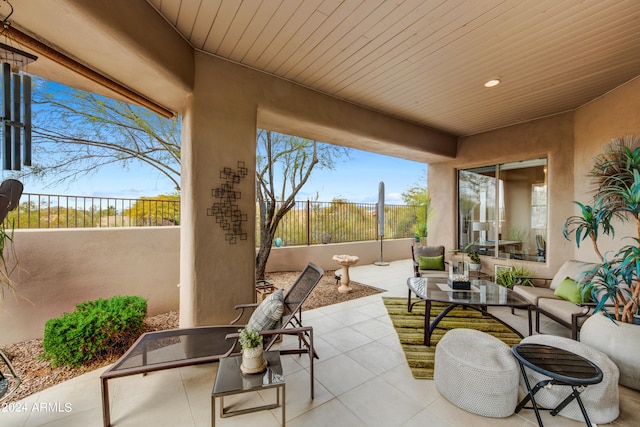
428	261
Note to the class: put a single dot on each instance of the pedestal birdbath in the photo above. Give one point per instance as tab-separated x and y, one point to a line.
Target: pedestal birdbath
345	261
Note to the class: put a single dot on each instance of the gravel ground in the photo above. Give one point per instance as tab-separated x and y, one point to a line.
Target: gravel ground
37	375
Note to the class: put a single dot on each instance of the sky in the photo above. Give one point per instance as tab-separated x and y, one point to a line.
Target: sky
355	179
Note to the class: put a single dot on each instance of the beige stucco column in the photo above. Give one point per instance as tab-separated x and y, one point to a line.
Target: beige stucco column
220	118
218	193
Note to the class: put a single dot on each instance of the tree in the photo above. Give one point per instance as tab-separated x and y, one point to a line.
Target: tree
77	132
159	210
283	165
418	195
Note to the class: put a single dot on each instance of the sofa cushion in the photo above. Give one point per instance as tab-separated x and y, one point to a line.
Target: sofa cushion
431	262
563	309
573	269
533	293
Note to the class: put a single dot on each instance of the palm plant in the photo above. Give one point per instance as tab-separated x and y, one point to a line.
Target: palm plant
10	192
587	225
616	178
6	268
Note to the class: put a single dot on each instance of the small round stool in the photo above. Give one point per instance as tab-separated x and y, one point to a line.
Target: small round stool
477	372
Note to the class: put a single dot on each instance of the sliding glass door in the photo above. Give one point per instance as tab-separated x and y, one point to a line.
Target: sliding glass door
502	210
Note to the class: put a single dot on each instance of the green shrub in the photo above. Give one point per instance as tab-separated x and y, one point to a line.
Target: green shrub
95	329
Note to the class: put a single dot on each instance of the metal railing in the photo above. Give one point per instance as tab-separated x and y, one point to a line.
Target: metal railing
308	223
59	211
311	223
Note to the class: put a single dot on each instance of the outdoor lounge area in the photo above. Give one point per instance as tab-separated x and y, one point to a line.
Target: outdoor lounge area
507	102
362	379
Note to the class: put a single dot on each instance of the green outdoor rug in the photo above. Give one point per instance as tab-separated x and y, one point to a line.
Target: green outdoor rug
410	329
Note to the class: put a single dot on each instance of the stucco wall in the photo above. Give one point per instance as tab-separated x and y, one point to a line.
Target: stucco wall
570	141
295	258
615	114
61	268
551	137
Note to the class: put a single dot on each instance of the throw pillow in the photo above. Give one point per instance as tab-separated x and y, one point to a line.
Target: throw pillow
268	313
431	262
577	270
569	290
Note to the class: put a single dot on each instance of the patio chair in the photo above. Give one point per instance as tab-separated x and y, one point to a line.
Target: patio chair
428	261
541	245
175	348
10	192
9	382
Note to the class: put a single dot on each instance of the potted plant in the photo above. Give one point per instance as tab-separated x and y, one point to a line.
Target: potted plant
253	360
614	284
516	275
421	233
474	261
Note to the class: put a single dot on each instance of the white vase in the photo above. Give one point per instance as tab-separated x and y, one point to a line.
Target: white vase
253	360
619	341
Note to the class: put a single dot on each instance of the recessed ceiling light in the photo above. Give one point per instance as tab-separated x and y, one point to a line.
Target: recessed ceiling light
492	83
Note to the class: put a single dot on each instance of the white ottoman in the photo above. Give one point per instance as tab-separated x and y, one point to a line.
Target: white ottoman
477	372
600	400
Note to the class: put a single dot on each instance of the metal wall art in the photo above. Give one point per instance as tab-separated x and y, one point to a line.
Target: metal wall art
225	207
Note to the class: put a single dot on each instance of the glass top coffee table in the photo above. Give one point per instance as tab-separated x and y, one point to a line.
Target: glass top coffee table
482	294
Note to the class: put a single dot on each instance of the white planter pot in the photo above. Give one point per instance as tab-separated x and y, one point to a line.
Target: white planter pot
475	267
619	341
253	360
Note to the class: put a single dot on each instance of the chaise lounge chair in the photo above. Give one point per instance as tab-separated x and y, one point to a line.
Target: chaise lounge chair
10	381
175	348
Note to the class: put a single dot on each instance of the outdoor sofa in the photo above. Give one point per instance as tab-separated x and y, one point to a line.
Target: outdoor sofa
559	298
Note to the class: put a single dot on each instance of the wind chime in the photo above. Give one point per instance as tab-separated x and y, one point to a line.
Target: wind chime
15	124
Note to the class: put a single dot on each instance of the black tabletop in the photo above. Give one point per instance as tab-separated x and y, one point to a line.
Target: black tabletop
559	364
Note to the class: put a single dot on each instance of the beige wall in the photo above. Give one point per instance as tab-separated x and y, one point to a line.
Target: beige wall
570	141
550	137
63	267
616	114
295	258
59	268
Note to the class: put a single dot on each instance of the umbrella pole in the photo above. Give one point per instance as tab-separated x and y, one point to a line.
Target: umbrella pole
381	262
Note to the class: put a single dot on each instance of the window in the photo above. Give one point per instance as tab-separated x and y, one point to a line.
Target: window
502	210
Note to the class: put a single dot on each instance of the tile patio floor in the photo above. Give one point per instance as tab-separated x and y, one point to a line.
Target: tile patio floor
362	379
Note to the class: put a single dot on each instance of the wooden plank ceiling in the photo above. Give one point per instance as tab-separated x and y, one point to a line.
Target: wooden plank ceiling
427	61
